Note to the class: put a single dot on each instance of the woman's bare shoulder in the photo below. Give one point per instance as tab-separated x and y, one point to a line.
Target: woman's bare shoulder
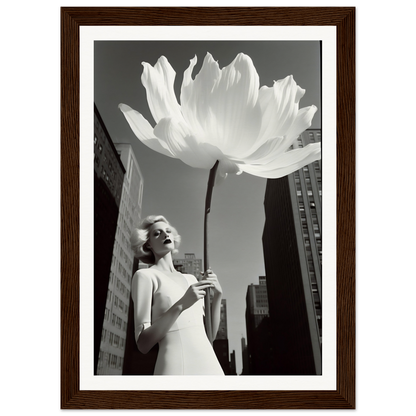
144	274
145	277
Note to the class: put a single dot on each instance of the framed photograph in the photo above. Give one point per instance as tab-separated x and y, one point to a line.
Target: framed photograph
282	244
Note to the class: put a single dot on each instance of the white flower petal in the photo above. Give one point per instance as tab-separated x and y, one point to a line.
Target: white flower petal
233	101
195	95
143	130
279	105
226	166
159	81
263	154
225	117
302	122
272	148
287	162
182	144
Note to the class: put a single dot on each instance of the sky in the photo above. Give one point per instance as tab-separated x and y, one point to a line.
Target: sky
176	190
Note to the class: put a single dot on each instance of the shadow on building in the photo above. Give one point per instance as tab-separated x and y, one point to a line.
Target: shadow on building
292	253
107	194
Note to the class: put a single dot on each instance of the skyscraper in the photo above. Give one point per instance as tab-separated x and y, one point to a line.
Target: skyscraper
244	356
292	246
233	367
257	304
220	344
108	183
114	329
189	265
222	329
257	312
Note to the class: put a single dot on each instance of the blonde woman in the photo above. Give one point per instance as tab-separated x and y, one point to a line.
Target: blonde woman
169	305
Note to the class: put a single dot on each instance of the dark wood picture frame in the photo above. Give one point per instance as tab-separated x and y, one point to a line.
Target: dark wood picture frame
71	395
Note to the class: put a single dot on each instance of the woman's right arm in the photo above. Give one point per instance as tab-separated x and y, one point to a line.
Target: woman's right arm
148	335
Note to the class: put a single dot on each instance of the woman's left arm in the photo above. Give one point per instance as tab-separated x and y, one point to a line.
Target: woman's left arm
216	302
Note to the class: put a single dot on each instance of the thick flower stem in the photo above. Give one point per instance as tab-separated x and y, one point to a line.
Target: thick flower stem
211	182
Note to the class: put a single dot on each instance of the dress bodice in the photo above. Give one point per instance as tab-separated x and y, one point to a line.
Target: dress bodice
167	291
154	293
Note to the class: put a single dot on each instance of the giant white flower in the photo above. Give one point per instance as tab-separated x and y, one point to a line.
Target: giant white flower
224	116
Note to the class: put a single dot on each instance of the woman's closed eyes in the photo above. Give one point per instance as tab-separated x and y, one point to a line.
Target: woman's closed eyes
157	232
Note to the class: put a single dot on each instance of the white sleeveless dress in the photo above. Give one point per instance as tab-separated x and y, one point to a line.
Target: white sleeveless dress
185	350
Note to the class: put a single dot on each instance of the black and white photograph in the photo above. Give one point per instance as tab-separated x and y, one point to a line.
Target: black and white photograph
208	208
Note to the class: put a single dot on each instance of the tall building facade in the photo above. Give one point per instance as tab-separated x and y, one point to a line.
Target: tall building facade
258	342
244	357
292	246
233	366
114	328
189	265
257	304
223	328
108	185
220	344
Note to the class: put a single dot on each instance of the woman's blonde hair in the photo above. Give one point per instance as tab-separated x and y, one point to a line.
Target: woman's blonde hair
140	236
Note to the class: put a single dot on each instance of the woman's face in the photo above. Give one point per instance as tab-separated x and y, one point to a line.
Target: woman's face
161	238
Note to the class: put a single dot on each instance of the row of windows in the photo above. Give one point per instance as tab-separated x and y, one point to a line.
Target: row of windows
112	339
189	263
315	225
106	359
123	255
305	140
115	320
124	240
124	307
312	137
122	288
126	211
128	199
128	258
121	271
100	157
262	311
120	304
105	175
121	236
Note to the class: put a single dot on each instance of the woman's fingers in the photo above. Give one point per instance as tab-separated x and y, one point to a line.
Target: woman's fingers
203	284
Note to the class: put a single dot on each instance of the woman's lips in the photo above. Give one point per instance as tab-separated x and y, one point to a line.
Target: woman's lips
167	241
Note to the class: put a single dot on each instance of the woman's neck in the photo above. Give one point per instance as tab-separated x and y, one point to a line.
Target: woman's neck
165	263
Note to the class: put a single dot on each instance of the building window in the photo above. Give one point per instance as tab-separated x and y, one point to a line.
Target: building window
100	359
113	361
